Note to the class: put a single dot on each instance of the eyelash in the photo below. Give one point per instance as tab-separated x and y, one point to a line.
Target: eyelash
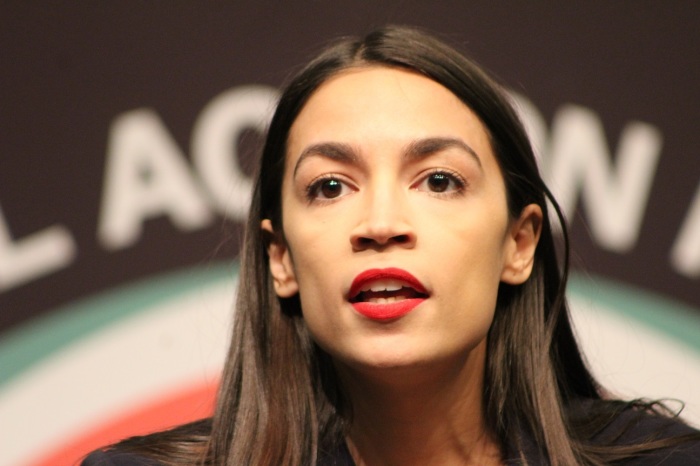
459	181
460	184
313	189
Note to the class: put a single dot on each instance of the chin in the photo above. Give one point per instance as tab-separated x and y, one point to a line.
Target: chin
389	361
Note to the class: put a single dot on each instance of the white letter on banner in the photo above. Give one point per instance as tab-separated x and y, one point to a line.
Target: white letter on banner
615	197
146	176
536	129
214	144
534	124
685	255
31	257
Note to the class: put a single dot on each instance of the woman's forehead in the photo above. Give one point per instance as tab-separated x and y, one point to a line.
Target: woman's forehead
363	105
357	87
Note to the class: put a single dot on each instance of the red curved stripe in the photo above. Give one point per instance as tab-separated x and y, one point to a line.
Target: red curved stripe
185	405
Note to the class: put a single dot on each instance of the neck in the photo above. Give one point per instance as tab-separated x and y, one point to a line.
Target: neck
420	415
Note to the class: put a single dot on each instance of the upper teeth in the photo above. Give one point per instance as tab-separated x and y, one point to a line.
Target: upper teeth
383	285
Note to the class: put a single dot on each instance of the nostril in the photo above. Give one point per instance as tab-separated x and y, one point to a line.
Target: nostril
380	240
401	239
397	239
364	241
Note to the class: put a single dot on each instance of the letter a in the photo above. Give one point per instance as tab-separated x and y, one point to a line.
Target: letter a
146	176
685	255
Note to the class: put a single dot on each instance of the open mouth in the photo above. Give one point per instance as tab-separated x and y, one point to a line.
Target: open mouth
386	291
386	294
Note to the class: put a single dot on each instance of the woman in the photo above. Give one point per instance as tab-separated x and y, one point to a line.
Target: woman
401	301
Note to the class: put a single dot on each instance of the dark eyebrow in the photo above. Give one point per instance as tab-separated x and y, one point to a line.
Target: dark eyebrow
428	146
332	150
418	149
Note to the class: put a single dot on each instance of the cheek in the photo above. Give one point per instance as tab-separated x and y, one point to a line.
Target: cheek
473	245
472	261
322	324
313	264
319	244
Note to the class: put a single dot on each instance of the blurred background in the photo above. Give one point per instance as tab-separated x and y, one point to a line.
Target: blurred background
128	133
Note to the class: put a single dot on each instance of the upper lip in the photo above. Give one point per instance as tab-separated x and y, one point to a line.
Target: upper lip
397	276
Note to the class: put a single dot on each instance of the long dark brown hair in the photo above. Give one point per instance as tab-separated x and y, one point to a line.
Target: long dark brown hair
279	402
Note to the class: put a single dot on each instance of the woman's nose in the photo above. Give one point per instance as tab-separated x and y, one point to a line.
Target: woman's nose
385	220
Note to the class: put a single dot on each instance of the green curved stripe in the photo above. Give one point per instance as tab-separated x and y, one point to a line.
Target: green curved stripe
24	347
677	321
32	342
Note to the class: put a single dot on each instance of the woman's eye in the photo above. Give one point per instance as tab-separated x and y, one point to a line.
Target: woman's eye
441	182
327	188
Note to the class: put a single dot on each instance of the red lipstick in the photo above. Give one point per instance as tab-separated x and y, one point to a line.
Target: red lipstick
385	294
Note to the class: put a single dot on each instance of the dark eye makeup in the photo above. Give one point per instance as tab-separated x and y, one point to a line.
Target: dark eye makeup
326	187
438	181
442	181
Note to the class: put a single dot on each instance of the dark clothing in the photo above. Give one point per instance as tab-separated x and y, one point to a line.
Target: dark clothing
117	458
629	428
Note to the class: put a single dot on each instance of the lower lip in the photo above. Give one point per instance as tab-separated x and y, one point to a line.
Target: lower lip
387	311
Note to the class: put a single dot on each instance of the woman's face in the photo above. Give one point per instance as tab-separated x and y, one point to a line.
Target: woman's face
395	224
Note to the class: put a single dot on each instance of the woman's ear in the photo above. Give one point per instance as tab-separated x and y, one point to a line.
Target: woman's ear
521	244
281	266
